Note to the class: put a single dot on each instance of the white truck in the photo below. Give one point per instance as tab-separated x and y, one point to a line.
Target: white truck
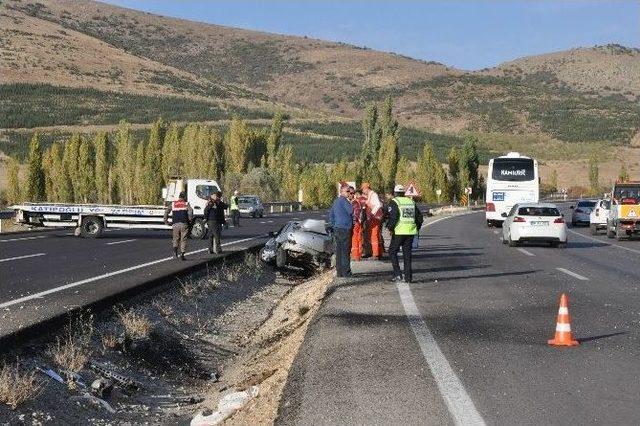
90	220
624	216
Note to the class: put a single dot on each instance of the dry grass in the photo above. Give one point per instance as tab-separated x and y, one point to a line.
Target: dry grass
109	341
72	350
163	308
17	387
136	326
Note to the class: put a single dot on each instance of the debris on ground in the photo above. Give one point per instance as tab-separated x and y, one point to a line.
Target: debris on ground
227	406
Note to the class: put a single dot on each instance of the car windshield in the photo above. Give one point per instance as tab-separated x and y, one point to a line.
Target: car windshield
538	211
591	204
627	191
247	200
205	191
513	169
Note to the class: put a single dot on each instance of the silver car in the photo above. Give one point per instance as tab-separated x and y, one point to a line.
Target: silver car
305	244
250	205
582	211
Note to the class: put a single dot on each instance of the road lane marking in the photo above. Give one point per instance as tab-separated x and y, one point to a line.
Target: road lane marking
121	242
23	239
107	275
605	242
523	251
573	274
496	232
22	257
458	402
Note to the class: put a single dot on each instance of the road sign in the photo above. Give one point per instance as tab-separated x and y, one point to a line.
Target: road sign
463	199
468	190
411	190
438	192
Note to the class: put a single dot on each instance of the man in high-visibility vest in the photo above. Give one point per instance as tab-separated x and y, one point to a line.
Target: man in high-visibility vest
404	223
235	209
181	216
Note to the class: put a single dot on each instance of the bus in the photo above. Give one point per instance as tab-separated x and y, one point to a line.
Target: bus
511	179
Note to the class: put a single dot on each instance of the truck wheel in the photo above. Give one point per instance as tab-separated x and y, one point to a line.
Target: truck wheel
198	230
594	229
91	227
281	258
620	235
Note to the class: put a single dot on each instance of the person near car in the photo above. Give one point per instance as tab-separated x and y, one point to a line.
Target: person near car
214	215
375	214
404	223
181	217
341	219
234	209
359	217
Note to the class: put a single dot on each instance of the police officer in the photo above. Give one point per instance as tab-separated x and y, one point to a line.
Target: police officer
235	209
181	216
405	221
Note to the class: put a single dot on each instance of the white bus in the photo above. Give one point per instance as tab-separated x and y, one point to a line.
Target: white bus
511	179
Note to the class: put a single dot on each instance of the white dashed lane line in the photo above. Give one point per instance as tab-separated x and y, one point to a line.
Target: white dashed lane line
120	242
573	274
496	232
23	239
523	251
604	242
22	257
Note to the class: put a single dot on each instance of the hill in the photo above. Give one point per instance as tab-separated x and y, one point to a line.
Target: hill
137	56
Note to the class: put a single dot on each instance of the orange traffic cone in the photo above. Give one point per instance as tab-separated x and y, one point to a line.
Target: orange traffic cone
563	326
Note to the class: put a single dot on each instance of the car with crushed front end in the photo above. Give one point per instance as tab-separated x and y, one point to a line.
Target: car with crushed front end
534	223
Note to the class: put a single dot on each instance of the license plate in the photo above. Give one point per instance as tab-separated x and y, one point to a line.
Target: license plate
539	223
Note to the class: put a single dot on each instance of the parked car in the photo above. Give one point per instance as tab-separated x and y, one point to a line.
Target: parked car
599	215
582	211
305	244
250	205
534	222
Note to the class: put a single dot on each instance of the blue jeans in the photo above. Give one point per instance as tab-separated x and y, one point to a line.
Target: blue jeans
342	239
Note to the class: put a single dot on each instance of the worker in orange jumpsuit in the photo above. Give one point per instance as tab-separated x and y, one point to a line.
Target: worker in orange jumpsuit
375	214
358	221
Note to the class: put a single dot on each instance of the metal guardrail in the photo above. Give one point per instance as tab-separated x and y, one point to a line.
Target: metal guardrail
282	206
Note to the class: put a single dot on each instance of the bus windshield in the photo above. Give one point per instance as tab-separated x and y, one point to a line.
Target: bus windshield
513	169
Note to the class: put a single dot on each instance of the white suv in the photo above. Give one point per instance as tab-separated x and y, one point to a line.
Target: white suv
598	216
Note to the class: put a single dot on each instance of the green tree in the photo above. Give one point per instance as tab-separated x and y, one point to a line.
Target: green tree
388	162
140	181
171	158
189	150
289	175
274	140
453	161
326	188
102	149
47	168
35	172
388	124
14	186
236	144
259	181
218	163
553	180
63	190
368	163
594	175
86	172
469	163
405	173
152	164
426	173
623	173
70	160
124	167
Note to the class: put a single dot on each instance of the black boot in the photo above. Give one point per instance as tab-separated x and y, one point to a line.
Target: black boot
175	252
182	257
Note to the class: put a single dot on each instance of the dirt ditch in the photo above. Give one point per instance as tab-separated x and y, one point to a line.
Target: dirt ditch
166	357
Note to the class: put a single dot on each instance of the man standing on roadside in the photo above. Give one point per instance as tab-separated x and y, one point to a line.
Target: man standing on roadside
374	220
235	209
341	219
404	223
181	216
214	215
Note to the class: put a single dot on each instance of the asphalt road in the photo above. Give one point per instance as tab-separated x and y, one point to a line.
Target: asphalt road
467	342
46	273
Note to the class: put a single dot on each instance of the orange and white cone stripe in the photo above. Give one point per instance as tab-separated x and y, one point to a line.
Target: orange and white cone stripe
563	336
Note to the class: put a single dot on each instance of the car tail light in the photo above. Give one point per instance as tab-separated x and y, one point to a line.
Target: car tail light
559	220
579	211
519	219
491	207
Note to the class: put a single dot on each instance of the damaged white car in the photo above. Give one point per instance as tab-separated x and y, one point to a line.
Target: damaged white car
304	244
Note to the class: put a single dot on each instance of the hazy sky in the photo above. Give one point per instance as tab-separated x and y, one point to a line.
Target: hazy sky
465	34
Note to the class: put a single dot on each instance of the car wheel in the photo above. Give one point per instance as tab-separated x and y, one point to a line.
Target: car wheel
281	258
554	244
594	229
620	235
91	227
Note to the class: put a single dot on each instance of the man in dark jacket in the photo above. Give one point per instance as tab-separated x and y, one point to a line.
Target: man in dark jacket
214	215
341	219
404	223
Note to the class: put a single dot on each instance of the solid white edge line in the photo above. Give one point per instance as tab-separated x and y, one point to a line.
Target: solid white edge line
527	252
458	402
573	274
604	242
120	242
22	257
107	275
23	239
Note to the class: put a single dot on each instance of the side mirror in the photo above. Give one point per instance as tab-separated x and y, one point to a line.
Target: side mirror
571	207
503	215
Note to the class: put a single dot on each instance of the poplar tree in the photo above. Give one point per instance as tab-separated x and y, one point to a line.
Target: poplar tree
189	149
171	158
152	164
47	168
273	141
124	163
388	162
368	163
553	180
139	175
594	174
70	160
623	174
86	172
217	146
453	160
60	176
469	162
235	141
14	187
405	172
103	159
35	173
289	176
204	153
426	173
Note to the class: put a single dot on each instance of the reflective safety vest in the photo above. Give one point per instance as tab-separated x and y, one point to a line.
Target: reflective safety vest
407	219
180	211
234	203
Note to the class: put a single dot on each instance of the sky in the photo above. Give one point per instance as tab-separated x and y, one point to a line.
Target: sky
464	34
